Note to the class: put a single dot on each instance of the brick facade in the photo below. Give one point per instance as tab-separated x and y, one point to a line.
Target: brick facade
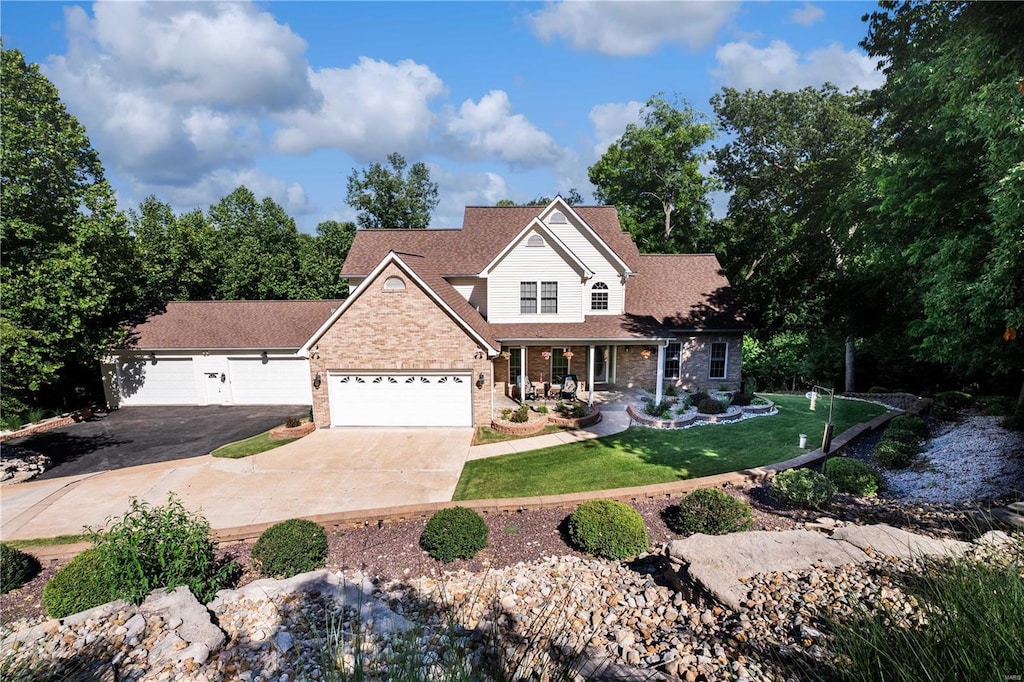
537	368
695	362
398	330
633	370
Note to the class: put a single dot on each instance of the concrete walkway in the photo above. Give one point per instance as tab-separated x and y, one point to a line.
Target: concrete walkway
611	422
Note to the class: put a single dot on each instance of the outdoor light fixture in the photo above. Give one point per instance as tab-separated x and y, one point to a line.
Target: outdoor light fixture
480	380
813	394
317	380
263	355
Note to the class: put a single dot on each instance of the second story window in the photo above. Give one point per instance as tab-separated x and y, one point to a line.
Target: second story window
549	297
599	296
527	297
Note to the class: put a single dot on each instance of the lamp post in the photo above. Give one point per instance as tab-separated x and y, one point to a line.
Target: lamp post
826	439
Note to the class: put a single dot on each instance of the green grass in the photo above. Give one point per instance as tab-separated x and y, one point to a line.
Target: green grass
47	542
485	435
643	456
250	446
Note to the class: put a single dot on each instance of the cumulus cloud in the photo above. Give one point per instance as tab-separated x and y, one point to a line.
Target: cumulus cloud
458	190
807	15
779	66
488	128
369	110
627	29
610	121
217	184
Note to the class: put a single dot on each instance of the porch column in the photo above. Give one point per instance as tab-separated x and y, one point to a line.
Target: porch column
661	373
522	378
590	379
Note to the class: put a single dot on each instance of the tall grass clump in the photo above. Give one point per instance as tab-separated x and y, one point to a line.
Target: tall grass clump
974	629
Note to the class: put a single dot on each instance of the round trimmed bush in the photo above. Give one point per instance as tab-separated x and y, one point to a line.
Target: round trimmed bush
895	454
711	406
81	584
454	533
291	547
803	488
16	567
742	399
696	398
608	529
852	476
713	512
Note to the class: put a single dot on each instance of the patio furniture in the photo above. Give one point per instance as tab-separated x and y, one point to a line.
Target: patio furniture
526	389
568	389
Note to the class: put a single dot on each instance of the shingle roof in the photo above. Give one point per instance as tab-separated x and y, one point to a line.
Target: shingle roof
485	231
231	324
683	292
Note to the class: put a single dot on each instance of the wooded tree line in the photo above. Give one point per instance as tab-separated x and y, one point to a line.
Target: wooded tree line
874	237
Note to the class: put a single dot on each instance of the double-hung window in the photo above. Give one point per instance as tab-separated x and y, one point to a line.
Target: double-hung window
515	365
559	364
599	296
672	353
527	297
549	297
719	360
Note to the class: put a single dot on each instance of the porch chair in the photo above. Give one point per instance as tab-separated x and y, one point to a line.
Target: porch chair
526	389
568	391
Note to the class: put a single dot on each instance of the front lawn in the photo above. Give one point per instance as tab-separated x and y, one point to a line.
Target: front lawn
250	446
485	434
643	456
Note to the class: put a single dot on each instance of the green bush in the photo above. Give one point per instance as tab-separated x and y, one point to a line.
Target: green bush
662	410
803	488
16	568
80	585
852	476
608	529
672	390
711	406
712	512
893	453
161	547
1015	422
696	398
954	399
909	423
740	399
291	547
454	533
521	416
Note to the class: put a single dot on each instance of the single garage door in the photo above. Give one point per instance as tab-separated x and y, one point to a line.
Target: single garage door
166	382
401	399
274	381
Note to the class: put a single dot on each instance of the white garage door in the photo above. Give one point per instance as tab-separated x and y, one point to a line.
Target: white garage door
275	381
402	399
168	382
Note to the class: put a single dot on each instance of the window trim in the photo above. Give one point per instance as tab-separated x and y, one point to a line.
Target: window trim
678	360
524	298
558	353
725	359
599	289
548	304
394	283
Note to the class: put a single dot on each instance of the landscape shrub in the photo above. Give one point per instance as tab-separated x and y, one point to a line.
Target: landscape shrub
852	476
16	567
506	414
662	410
696	398
291	547
893	453
292	422
711	511
909	423
672	391
878	389
741	399
81	584
161	547
543	409
1015	422
520	416
609	529
957	400
454	533
803	488
711	406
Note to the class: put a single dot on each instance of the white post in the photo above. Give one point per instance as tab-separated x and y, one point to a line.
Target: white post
661	373
522	378
590	379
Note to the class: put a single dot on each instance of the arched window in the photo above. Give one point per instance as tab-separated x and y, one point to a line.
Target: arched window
599	296
394	284
535	240
557	218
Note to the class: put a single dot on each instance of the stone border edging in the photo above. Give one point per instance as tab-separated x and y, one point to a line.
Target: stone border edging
289	432
528	429
733	413
51	423
589	419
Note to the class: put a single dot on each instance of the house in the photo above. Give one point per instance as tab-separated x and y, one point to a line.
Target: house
441	322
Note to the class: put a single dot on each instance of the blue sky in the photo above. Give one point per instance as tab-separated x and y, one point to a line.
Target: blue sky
502	100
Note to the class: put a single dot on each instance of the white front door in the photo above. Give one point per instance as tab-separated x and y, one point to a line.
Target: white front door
216	388
401	399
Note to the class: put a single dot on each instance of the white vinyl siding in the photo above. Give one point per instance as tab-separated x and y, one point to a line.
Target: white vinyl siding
474	290
595	259
401	399
533	264
275	381
168	381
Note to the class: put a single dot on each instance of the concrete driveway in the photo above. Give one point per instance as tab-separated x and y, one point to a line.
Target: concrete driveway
133	436
328	471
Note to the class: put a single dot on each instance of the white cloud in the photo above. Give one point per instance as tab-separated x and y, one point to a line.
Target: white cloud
217	184
808	15
458	190
488	128
610	121
369	110
626	29
779	66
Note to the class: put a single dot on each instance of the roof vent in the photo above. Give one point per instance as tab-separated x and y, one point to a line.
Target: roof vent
535	240
557	218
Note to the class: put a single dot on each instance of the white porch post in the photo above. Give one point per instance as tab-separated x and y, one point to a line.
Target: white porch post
661	373
590	379
522	377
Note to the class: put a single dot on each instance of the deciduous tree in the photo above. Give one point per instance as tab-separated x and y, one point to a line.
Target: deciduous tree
391	197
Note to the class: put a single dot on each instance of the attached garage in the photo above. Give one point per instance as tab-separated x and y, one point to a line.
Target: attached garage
270	381
163	381
401	399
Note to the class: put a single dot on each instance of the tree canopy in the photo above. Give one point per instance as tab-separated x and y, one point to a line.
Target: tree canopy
391	196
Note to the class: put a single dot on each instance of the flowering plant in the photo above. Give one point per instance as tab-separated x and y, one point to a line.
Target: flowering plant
645	353
546	355
568	354
505	354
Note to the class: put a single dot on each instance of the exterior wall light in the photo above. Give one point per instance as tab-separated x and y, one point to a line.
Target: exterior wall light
480	380
317	380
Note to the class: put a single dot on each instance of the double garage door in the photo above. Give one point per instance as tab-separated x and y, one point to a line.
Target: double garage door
401	399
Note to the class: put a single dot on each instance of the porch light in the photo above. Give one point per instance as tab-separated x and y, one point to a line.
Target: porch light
480	380
813	394
317	380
